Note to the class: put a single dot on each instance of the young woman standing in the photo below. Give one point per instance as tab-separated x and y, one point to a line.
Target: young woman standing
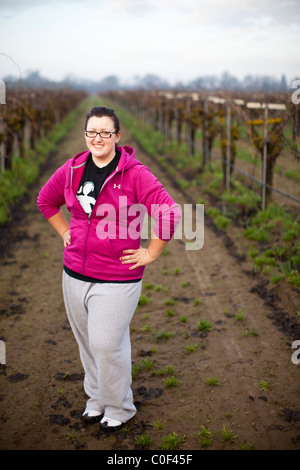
103	260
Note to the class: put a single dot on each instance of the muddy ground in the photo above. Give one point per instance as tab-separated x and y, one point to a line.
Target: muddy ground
41	392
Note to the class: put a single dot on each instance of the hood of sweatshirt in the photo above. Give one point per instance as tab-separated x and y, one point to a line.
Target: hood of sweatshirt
127	160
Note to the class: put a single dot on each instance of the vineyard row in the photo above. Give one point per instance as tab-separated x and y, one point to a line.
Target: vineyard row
29	115
272	125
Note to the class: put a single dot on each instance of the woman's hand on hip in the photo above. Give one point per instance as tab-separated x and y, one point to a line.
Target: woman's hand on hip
66	236
143	256
139	257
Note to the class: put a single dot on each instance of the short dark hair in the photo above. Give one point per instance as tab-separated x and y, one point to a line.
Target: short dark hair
100	111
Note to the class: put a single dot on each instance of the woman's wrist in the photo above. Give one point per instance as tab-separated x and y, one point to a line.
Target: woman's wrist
59	223
156	247
64	232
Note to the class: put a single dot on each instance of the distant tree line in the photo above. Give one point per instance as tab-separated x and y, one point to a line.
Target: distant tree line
226	81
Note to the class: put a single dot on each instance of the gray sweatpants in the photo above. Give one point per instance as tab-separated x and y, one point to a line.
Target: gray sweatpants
100	315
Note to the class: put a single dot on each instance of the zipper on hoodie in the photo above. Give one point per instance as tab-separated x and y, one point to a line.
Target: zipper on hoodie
90	215
85	243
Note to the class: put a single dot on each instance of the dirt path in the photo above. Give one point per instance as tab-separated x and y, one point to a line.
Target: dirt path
41	395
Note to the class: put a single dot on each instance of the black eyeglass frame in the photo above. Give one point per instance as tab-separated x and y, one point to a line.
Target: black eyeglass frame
96	133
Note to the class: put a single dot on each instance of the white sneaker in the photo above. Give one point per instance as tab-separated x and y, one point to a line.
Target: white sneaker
111	424
91	416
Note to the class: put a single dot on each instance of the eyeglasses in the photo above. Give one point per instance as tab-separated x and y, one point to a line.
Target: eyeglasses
103	134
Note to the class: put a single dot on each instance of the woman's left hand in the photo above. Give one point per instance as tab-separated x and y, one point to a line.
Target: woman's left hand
138	258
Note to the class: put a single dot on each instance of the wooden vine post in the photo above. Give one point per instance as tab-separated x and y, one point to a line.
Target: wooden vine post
229	132
267	136
209	128
193	122
179	116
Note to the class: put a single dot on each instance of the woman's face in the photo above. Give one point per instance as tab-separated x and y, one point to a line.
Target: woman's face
102	150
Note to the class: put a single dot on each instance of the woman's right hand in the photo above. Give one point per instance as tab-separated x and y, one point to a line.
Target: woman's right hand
58	221
66	238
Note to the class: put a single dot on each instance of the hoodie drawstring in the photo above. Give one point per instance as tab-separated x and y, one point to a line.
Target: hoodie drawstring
122	181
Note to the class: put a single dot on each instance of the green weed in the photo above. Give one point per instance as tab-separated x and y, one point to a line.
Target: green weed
171	381
172	442
143	440
265	385
158	288
276	278
227	434
135	369
239	316
170	312
250	332
148	364
293	174
144	300
184	319
158	424
163	335
204	436
167	370
72	436
221	221
146	328
212	381
246	446
193	347
204	325
149	285
257	234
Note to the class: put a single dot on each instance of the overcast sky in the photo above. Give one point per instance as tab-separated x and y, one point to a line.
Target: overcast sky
178	40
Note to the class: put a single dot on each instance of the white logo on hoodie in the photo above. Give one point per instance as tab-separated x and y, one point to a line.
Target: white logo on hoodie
87	202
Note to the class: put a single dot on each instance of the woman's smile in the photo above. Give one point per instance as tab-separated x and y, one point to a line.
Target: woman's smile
98	145
103	150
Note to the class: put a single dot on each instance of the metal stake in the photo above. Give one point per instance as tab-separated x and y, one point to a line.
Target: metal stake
264	163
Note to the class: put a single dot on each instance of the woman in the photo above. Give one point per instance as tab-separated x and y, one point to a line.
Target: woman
105	188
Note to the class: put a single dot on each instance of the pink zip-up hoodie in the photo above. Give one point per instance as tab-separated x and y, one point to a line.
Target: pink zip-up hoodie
98	240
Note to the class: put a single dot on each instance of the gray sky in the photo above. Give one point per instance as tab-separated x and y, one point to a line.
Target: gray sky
175	39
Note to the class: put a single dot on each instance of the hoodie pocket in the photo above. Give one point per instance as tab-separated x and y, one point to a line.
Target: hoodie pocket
113	249
119	245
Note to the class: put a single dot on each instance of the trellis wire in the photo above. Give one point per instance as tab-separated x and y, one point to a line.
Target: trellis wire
248	175
228	163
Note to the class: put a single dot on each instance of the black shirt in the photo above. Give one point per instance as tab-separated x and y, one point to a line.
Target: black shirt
92	181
